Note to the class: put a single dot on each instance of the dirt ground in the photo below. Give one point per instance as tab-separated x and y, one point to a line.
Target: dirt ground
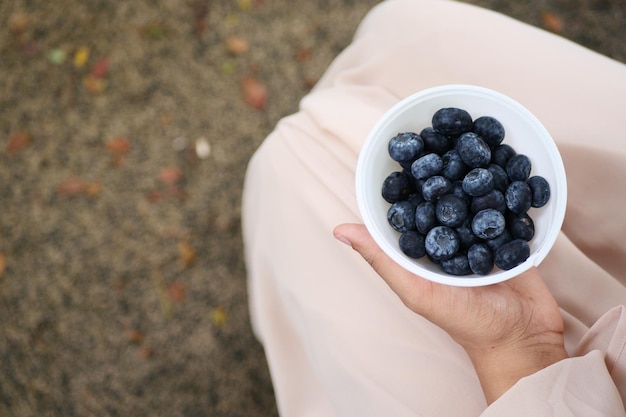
125	130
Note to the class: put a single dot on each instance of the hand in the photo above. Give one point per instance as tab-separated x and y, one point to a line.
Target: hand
509	330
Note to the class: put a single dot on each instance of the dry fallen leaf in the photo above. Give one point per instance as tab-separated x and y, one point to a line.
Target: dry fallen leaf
135	336
254	93
3	264
219	316
17	141
81	56
94	84
75	186
186	254
237	45
177	292
100	68
118	147
552	22
170	175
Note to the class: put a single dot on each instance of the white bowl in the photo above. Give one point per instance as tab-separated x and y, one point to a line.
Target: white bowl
524	132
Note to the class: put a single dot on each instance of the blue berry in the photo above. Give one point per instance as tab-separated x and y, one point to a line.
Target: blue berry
540	190
490	129
518	197
405	146
452	121
478	181
442	243
518	167
401	216
450	210
511	254
425	218
435	187
453	166
480	258
426	166
397	186
521	226
488	224
457	190
466	234
434	141
457	265
500	177
473	150
496	242
493	199
501	154
412	244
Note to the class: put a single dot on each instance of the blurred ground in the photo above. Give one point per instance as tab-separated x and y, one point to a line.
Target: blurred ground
125	129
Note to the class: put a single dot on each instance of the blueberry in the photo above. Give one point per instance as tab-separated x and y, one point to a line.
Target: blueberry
457	265
452	121
518	197
540	190
435	187
466	234
500	177
450	210
480	259
412	244
473	150
401	216
442	243
425	218
488	224
490	129
496	242
457	190
493	199
397	186
521	226
501	154
518	167
405	146
453	166
511	254
478	181
426	166
434	141
415	199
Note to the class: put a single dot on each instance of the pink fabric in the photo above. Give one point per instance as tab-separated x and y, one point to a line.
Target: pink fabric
337	340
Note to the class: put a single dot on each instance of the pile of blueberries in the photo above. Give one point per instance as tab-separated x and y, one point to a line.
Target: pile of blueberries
460	196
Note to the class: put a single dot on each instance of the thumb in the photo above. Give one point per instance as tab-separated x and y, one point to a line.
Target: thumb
357	236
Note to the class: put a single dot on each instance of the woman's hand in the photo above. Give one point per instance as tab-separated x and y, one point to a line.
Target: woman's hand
509	330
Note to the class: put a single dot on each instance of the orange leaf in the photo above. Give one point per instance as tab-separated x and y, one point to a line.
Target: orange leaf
177	292
135	336
94	84
187	254
254	93
17	142
552	22
118	146
71	186
100	68
3	263
170	175
237	45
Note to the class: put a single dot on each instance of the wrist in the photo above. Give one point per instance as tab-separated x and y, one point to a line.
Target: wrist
499	367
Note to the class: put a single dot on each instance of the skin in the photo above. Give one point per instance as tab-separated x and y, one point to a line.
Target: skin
509	330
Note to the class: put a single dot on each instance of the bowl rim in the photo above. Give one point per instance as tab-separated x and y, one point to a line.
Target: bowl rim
361	187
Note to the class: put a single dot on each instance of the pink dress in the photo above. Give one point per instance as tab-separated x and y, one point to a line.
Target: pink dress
338	341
